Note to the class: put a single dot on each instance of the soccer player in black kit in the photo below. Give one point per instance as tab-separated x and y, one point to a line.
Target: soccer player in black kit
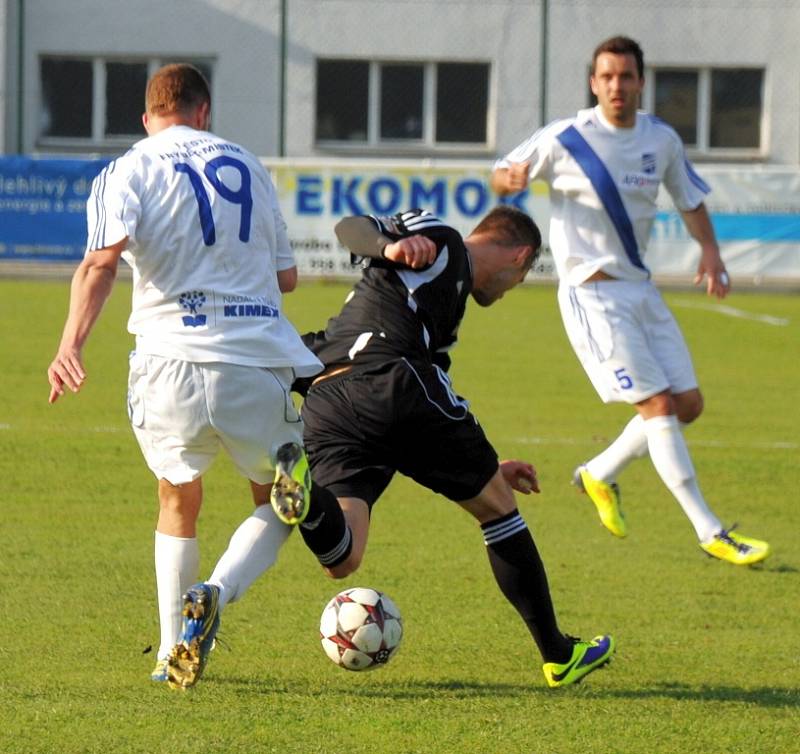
385	404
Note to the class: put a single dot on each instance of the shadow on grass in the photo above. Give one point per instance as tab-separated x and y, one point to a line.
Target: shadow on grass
763	696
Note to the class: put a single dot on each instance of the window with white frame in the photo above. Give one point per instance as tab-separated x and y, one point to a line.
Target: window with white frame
95	100
716	111
402	104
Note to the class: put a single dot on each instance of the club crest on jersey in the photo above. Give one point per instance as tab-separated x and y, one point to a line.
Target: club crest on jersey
193	300
648	163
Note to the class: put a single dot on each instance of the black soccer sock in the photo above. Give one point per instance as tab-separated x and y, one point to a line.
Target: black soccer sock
325	530
520	574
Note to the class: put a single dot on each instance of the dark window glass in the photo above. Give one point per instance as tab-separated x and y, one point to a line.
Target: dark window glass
125	87
401	101
342	100
736	108
462	101
676	102
66	97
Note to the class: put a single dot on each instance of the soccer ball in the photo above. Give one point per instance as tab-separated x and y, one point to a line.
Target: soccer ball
360	629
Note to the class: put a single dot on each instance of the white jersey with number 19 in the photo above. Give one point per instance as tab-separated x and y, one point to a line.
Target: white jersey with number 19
206	239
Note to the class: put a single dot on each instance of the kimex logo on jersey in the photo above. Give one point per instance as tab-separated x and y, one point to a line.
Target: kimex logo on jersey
193	300
248	306
648	163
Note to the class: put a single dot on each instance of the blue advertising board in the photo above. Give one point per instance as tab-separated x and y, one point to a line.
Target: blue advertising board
43	207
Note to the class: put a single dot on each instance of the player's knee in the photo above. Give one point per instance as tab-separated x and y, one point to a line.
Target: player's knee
689	406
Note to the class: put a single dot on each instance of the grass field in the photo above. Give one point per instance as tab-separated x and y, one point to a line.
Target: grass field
707	658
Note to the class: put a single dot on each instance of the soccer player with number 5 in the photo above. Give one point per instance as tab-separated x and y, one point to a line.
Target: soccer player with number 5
604	168
197	218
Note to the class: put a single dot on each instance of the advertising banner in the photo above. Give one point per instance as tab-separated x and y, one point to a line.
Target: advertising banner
43	207
755	211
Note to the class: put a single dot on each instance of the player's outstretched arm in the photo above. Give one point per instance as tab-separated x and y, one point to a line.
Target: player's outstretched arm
91	286
711	266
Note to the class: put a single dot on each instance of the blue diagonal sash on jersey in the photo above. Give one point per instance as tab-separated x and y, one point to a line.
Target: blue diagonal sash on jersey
606	190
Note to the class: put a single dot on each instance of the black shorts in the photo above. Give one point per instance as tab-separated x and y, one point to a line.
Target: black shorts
362	427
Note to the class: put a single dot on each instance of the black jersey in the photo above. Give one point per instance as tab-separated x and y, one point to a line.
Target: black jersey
395	311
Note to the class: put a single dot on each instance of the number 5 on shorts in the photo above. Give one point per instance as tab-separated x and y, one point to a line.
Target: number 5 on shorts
625	382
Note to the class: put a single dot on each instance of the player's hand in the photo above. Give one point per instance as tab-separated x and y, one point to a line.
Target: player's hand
718	283
67	371
518	176
520	476
413	251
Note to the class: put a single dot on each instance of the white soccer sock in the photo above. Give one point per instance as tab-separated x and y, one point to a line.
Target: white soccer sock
252	550
177	564
671	458
630	445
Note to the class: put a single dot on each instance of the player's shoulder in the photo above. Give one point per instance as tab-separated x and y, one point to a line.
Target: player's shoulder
655	127
411	222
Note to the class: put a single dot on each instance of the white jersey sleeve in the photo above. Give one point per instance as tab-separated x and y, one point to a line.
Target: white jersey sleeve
684	185
112	209
538	149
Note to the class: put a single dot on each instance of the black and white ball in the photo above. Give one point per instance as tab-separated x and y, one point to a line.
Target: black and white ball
360	629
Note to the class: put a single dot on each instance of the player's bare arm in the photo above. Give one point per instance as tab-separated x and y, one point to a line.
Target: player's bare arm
287	280
360	236
711	266
511	180
91	286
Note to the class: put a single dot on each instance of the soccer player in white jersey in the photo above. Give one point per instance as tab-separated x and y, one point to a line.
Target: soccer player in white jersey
197	218
604	168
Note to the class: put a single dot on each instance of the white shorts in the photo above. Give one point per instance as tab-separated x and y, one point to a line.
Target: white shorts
626	339
182	413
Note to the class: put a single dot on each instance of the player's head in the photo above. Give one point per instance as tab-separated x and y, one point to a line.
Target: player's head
617	79
180	93
504	245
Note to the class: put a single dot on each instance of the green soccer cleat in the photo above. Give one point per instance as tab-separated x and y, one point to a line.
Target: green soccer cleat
735	548
291	490
586	657
606	499
189	656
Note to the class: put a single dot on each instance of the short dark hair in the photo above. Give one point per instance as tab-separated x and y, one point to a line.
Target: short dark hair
510	226
176	88
620	45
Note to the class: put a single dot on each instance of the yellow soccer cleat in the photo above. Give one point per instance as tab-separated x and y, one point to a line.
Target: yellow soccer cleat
735	548
586	657
291	491
606	499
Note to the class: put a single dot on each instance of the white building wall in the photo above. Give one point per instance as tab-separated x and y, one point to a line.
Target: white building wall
242	37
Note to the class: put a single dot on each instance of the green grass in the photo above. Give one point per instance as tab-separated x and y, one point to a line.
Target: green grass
707	658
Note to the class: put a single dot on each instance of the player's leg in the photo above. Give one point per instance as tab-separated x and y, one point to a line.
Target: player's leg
344	478
670	456
177	560
600	321
520	575
169	420
440	444
357	515
251	412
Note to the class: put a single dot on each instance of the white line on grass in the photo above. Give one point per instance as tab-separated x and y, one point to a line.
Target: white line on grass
730	311
765	445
